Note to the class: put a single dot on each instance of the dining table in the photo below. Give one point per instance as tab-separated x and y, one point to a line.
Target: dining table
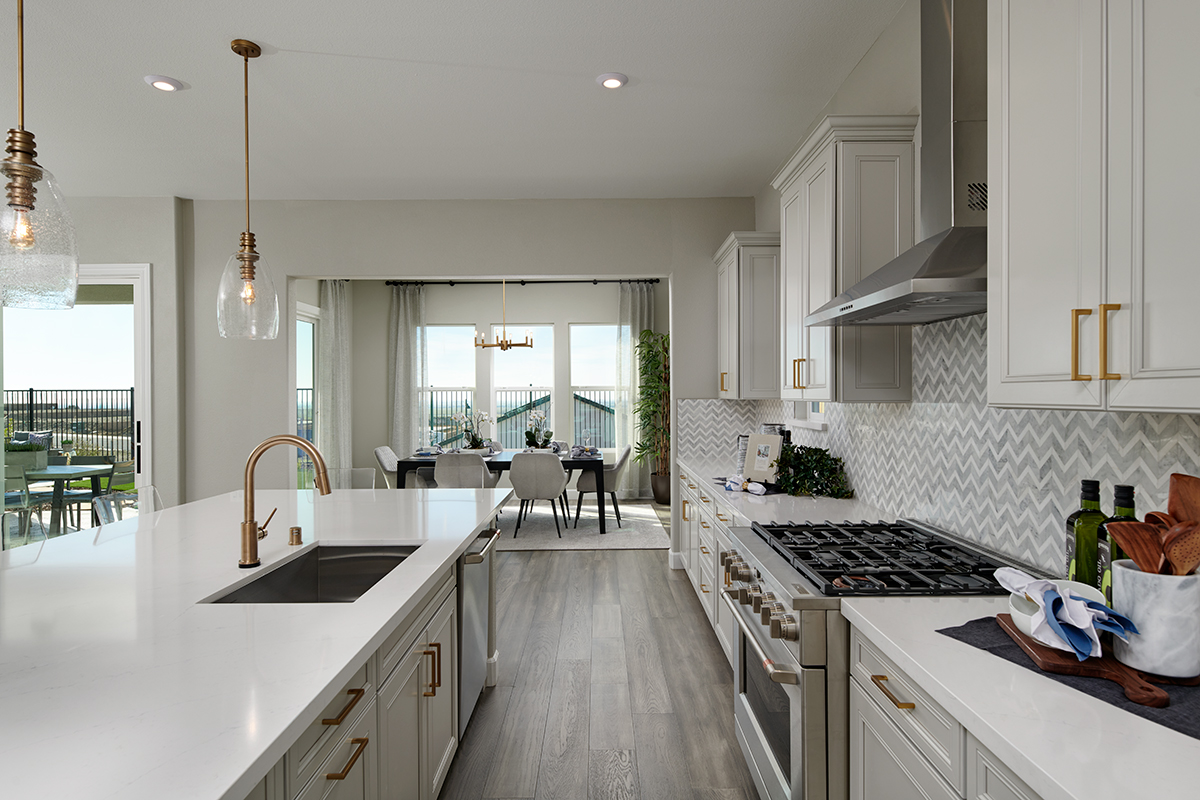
501	462
62	474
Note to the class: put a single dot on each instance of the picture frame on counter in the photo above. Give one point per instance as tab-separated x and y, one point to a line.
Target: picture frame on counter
761	453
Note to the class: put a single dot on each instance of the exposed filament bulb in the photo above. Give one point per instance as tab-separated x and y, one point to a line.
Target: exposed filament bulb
21	235
248	295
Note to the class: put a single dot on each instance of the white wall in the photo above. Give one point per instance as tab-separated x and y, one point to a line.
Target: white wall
886	81
215	398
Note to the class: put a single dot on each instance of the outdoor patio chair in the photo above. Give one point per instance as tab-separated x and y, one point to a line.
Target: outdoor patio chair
20	501
115	506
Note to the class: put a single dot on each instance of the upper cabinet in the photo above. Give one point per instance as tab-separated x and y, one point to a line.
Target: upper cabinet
846	209
1092	173
748	316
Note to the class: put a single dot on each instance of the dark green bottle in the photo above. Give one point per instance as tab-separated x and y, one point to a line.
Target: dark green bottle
1107	549
1087	520
1086	487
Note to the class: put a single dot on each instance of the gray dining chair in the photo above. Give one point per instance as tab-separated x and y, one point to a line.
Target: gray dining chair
612	479
537	477
421	478
462	471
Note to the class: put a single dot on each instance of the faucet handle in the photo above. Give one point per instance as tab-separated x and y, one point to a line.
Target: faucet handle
262	529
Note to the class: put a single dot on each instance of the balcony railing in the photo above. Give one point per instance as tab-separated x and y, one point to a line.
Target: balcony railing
97	421
513	407
305	428
595	415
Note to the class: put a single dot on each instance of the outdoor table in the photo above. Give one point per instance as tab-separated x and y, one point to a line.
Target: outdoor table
503	461
63	474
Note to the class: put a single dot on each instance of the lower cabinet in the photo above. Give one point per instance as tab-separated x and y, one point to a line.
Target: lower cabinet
351	772
884	765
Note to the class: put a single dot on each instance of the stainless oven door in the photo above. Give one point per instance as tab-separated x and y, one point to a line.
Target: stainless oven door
779	715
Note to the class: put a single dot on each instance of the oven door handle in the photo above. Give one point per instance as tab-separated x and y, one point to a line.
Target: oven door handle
775	673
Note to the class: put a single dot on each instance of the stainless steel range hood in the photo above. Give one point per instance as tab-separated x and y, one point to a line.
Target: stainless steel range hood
945	276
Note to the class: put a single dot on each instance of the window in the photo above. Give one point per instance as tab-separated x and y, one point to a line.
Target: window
523	380
450	389
593	384
306	374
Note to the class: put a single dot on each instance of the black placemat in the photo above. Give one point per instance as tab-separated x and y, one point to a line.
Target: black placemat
1182	715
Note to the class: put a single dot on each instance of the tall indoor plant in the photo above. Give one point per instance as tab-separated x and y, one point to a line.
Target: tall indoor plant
653	410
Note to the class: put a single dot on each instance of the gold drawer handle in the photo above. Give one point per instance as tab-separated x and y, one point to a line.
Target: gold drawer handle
438	646
704	549
1076	313
1105	375
683	512
878	680
341	776
691	485
723	374
704	499
703	589
704	525
433	684
721	518
796	362
356	694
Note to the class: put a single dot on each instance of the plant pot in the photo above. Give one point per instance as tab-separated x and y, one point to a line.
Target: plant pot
29	459
661	486
1166	611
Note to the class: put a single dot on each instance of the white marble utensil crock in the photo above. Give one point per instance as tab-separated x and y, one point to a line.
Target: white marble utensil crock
1166	610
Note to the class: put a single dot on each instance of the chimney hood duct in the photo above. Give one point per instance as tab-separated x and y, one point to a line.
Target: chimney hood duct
944	276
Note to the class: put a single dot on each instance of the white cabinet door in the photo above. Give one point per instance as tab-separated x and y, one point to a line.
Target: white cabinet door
727	328
723	622
818	273
791	294
440	725
875	223
350	772
1153	177
988	779
1046	201
883	763
758	322
400	728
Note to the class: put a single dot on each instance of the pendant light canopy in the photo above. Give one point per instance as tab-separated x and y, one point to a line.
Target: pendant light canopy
247	306
39	265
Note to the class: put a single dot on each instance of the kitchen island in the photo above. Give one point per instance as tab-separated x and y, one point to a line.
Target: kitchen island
118	680
1063	744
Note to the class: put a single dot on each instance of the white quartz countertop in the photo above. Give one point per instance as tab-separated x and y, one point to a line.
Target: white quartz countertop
780	507
117	682
1061	742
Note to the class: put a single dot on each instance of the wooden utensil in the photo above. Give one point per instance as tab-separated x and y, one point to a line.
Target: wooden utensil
1140	541
1161	519
1183	497
1060	662
1182	548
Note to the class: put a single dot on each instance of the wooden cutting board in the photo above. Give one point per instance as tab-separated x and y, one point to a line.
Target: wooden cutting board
1061	662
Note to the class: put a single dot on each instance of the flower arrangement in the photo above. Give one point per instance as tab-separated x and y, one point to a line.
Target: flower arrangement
472	424
538	435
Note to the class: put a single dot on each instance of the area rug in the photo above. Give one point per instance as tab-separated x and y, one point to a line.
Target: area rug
640	529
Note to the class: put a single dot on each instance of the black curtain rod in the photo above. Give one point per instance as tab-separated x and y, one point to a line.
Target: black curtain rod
520	282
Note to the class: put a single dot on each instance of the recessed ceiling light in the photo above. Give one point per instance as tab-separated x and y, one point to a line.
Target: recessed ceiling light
164	83
612	80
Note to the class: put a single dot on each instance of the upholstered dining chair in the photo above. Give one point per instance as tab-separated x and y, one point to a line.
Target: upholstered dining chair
612	479
421	478
463	471
537	477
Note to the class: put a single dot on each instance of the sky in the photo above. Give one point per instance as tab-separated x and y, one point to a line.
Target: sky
451	356
87	347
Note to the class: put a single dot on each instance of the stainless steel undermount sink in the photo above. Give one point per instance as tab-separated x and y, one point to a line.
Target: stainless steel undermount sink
325	574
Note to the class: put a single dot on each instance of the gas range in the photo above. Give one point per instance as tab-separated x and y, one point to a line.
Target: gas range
881	558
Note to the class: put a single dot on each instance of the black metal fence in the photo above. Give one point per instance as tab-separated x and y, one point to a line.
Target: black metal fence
595	415
305	422
96	421
512	414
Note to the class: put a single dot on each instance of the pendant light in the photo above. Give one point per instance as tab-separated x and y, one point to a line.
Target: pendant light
39	265
247	306
502	341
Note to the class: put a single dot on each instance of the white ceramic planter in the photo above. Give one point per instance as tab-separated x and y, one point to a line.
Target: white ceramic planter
1166	611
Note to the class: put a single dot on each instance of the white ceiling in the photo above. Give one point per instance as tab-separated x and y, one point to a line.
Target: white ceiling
364	99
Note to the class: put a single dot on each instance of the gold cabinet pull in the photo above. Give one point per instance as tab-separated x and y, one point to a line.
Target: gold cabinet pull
703	589
1076	313
341	776
690	485
878	680
723	374
796	362
1105	375
721	518
355	696
683	512
704	549
438	647
432	669
704	499
704	525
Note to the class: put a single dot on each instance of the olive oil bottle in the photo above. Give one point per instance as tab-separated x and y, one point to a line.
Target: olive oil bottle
1107	549
1081	566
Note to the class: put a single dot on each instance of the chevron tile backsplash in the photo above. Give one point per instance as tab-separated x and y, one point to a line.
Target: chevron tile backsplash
1003	477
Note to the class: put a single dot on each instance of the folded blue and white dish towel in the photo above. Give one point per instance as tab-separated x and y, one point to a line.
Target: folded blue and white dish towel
1065	622
579	451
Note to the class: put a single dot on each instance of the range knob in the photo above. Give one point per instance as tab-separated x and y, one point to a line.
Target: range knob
772	610
761	600
749	594
741	571
783	626
729	556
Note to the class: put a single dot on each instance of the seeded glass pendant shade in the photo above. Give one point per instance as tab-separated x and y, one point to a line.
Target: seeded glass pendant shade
247	306
39	264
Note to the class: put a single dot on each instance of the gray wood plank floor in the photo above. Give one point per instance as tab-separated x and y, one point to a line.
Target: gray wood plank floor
612	685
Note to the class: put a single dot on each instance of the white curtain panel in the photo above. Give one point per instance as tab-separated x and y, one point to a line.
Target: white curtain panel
333	375
406	367
635	315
